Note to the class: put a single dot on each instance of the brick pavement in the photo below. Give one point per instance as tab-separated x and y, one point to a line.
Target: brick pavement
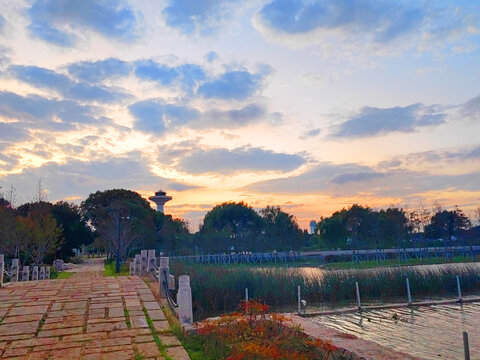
86	316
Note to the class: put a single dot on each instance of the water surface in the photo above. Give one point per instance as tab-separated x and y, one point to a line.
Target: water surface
433	332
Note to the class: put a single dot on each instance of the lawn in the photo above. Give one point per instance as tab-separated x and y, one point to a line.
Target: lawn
110	269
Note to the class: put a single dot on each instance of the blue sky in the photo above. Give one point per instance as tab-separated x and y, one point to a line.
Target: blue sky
312	105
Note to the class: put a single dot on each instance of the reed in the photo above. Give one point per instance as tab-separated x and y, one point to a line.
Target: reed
219	288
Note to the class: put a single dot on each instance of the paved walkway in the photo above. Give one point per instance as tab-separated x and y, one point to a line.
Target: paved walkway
87	316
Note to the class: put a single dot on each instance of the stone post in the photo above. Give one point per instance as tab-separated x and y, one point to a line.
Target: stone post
184	300
152	261
26	273
47	272
163	277
132	268
2	268
138	265
144	261
41	275
35	273
15	270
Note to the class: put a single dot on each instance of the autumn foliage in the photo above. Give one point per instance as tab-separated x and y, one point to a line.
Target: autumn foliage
254	334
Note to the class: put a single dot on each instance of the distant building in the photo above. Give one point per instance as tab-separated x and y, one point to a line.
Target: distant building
313	225
160	199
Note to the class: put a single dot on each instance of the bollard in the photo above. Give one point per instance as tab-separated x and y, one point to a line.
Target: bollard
15	270
184	300
138	265
459	289
466	346
26	273
41	275
144	262
408	292
358	296
246	294
35	273
151	261
299	299
2	268
163	276
47	272
132	268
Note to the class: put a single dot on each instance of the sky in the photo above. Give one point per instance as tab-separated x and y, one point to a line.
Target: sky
311	105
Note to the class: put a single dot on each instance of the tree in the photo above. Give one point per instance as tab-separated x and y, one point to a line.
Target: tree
231	224
15	231
116	230
446	224
281	229
46	236
75	229
171	234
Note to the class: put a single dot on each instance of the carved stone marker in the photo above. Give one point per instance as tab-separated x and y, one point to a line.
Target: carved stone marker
14	270
144	262
2	268
138	265
47	272
132	268
35	273
184	300
26	273
152	261
163	278
41	275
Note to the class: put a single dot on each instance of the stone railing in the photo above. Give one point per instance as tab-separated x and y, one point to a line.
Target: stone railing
16	273
145	263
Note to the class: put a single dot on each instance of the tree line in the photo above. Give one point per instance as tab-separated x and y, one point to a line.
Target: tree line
361	227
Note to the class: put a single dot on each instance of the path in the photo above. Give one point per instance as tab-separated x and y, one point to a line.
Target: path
87	316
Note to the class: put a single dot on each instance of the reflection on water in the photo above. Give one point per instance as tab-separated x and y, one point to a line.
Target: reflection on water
433	332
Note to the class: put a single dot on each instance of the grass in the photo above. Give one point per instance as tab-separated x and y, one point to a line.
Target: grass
161	347
110	269
220	288
59	275
395	262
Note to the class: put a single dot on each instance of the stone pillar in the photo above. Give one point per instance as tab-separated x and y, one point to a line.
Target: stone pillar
35	273
184	300
26	273
132	268
144	262
163	277
41	275
138	265
152	261
47	272
2	268
15	270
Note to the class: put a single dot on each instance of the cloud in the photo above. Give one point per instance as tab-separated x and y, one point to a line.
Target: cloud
311	133
352	179
185	75
370	24
56	20
232	85
97	71
193	17
36	112
2	22
45	78
80	178
435	158
156	116
219	160
471	108
371	121
12	132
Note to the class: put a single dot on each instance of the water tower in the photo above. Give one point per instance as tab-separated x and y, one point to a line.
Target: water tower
160	199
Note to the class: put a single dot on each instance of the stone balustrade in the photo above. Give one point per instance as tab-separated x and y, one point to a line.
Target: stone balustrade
17	273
